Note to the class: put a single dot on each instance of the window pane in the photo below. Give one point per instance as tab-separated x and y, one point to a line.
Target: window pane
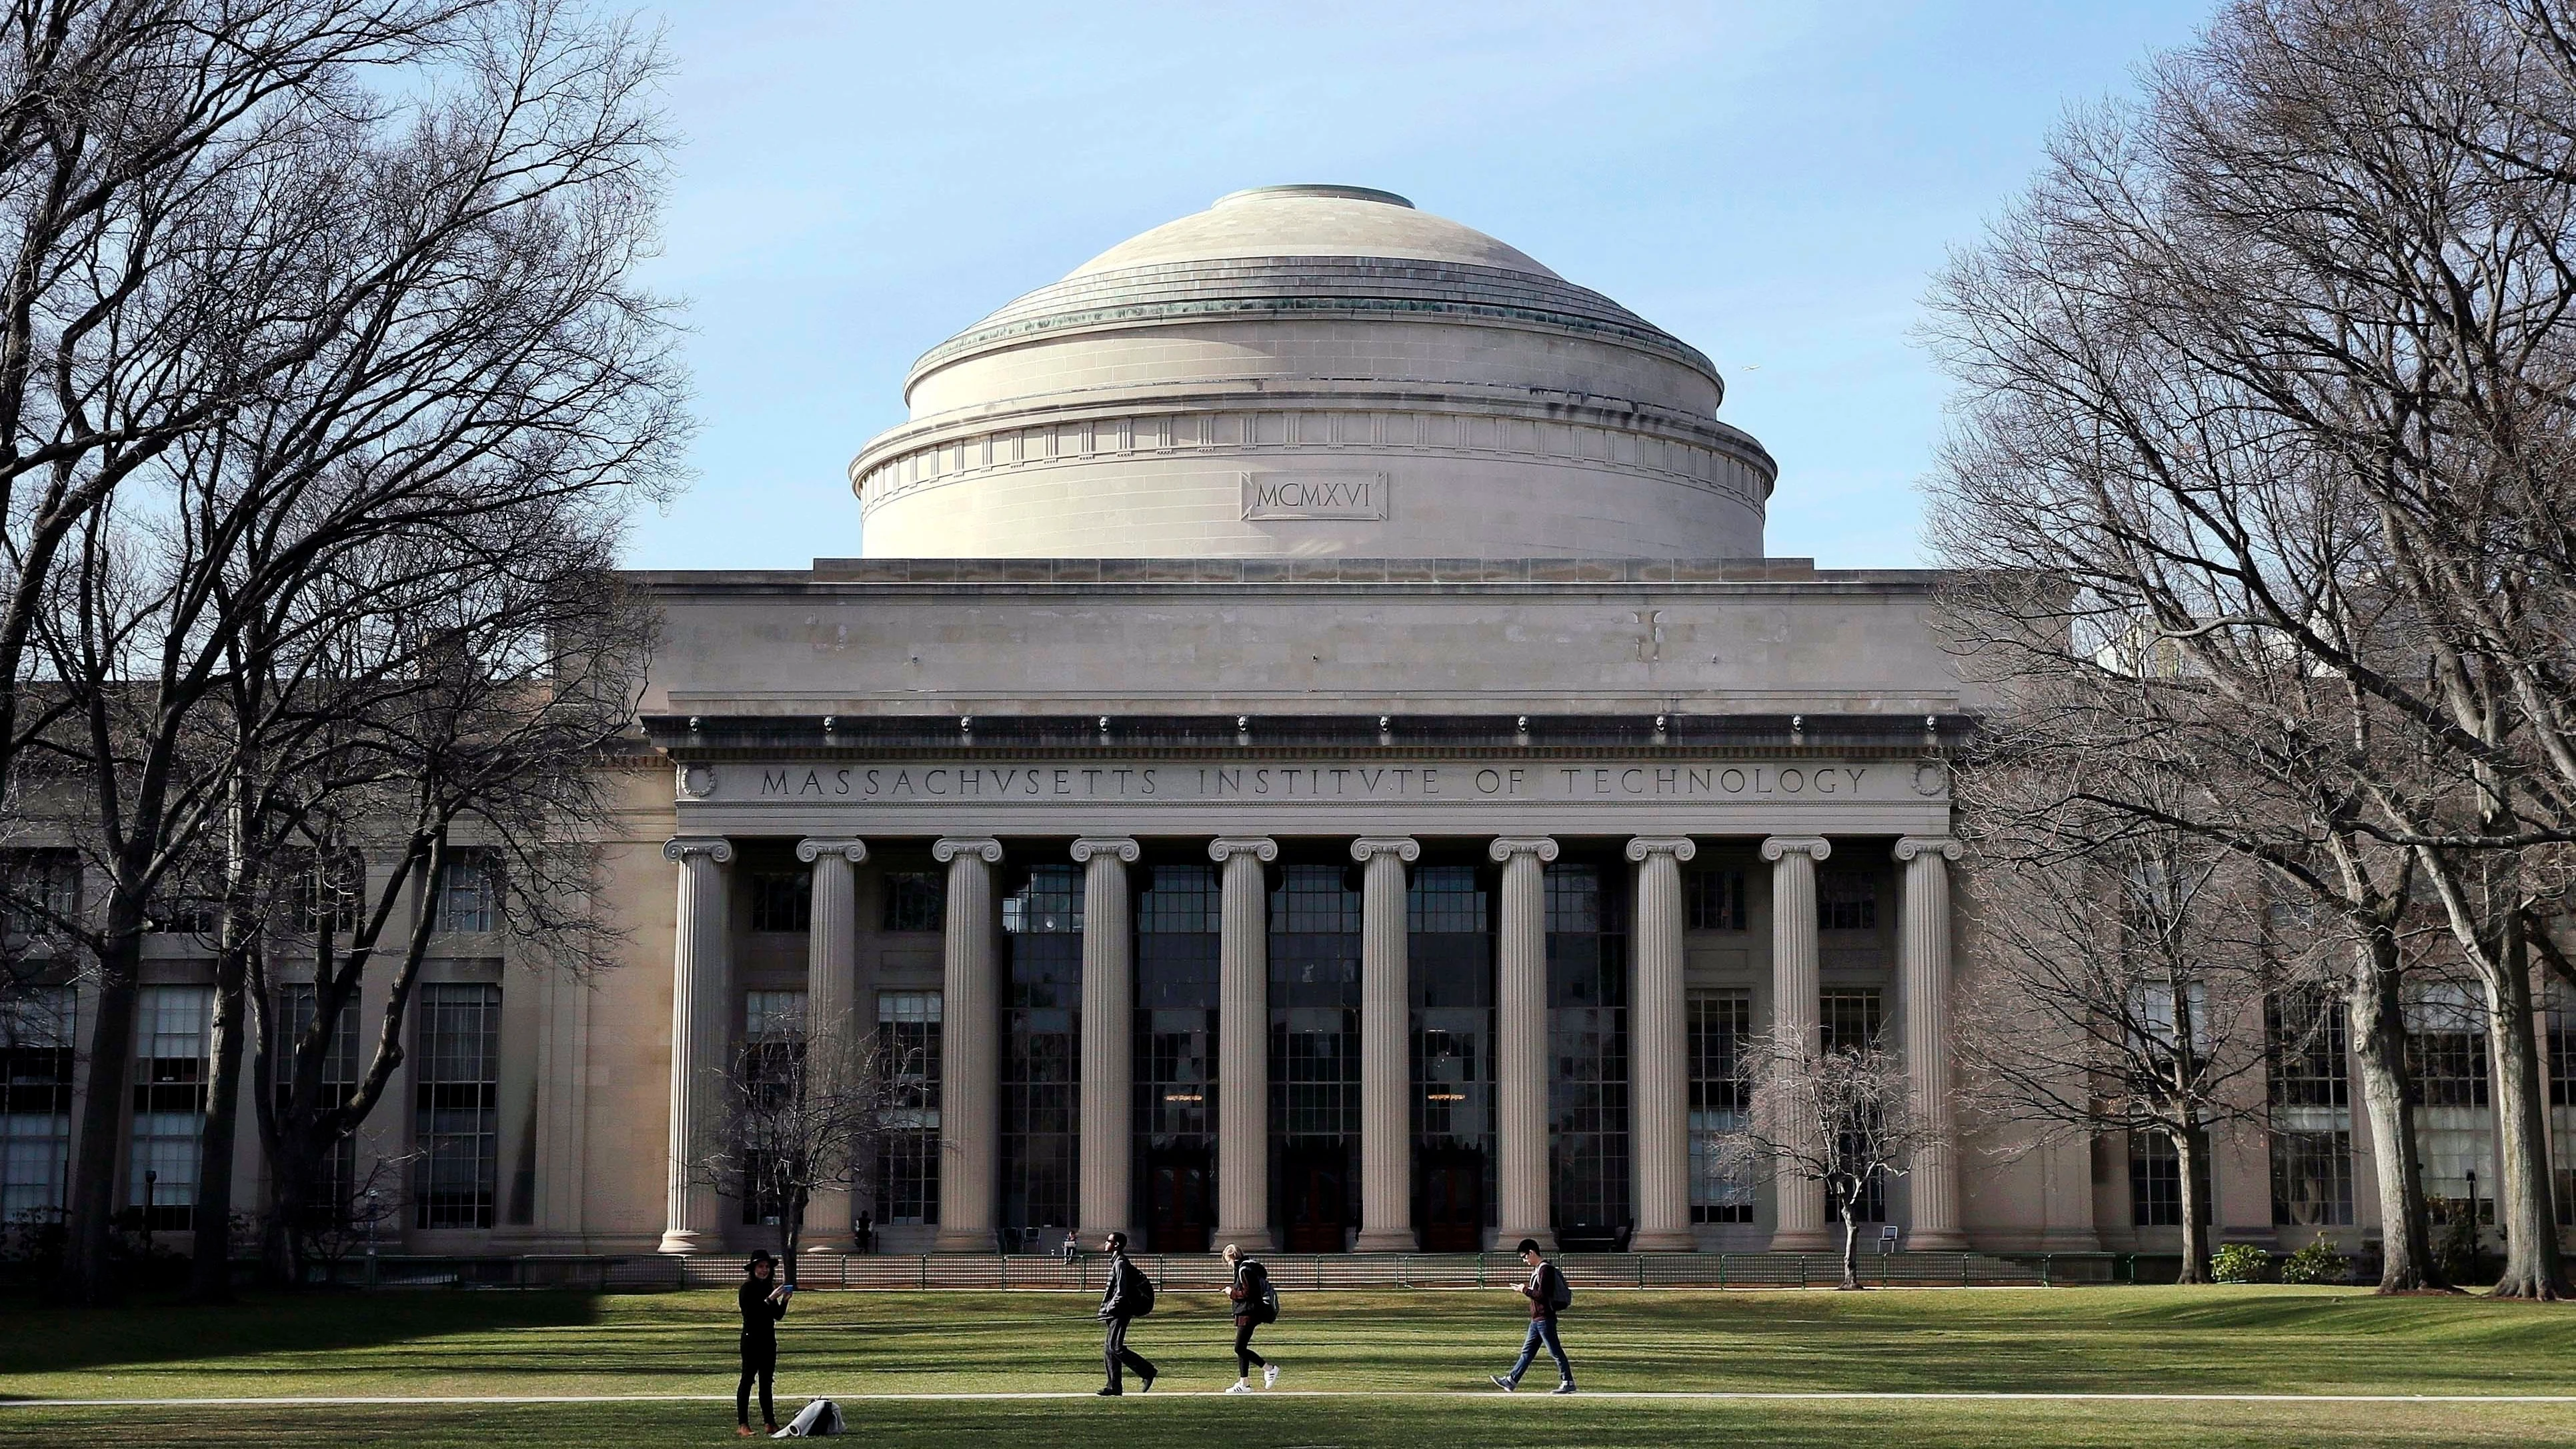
455	1126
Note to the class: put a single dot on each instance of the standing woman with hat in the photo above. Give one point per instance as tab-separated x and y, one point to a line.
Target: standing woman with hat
763	1304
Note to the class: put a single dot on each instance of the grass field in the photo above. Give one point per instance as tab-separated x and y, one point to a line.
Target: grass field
1394	1368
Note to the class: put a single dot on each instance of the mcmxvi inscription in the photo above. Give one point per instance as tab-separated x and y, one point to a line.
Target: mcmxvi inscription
1314	495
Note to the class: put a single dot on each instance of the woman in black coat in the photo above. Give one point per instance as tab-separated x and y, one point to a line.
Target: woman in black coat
763	1304
1245	1296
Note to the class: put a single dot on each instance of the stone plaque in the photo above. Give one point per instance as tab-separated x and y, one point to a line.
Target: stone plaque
1270	497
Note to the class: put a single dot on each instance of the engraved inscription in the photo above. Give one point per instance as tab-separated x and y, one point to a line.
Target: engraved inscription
1272	496
1462	782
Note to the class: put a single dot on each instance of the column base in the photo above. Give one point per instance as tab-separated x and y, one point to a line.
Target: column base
964	1240
1507	1238
1251	1240
1386	1240
684	1242
1675	1242
1935	1240
1806	1240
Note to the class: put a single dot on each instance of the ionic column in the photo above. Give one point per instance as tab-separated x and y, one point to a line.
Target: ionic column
1107	1087
1659	1054
970	1046
1386	1075
1923	961
690	1222
832	1028
1800	1223
1243	1043
1520	1052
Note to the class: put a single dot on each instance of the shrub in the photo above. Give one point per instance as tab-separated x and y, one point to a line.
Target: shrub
2318	1262
2240	1263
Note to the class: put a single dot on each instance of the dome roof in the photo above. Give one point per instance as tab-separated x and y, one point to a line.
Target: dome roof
1311	221
1308	370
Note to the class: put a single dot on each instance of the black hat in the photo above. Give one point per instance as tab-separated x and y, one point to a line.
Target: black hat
757	1258
1528	1245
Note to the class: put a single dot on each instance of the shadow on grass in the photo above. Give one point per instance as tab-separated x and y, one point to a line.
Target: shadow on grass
143	1334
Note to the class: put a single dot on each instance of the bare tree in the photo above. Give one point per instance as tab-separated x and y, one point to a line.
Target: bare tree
1842	1117
2269	377
804	1111
490	379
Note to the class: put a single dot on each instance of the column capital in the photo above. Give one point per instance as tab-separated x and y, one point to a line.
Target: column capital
1679	847
1505	847
1226	847
1814	847
984	848
1123	847
681	847
853	851
1403	847
1910	846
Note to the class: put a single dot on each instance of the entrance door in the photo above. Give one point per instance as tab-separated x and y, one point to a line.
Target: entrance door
1318	1198
1453	1202
1177	1211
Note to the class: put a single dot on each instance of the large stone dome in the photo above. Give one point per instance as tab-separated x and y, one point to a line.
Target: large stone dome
1313	370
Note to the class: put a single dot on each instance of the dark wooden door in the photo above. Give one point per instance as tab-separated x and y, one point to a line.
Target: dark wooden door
1453	1203
1177	1215
1318	1200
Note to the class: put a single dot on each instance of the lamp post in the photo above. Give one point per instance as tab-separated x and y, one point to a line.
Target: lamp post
371	1236
151	1180
2474	1243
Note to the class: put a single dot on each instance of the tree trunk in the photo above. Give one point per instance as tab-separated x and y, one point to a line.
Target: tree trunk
791	1228
210	1274
2532	1264
88	1276
2188	1142
2378	1039
1851	1239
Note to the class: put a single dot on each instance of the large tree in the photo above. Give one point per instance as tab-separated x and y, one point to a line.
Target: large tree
479	374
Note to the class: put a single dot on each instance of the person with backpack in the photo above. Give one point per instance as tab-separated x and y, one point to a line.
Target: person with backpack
1549	1295
1129	1296
1254	1301
763	1303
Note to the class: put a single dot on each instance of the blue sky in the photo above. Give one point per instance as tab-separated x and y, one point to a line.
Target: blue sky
1773	183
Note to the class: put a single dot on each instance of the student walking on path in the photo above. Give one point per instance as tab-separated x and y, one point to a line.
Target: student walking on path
1130	1296
763	1304
1548	1295
1254	1303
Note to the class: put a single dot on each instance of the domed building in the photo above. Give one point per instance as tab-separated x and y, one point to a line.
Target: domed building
1311	753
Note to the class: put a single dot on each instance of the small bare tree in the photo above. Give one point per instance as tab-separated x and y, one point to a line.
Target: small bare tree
1842	1117
803	1111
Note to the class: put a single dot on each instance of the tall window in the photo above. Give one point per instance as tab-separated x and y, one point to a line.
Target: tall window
782	900
2155	1182
1849	1020
469	893
2446	1048
1846	899
1720	1023
2561	1024
170	1026
331	890
456	1105
1041	1052
1587	1019
39	896
773	1046
36	1037
915	900
2310	1110
1177	918
908	1154
1314	1053
1714	895
1449	944
334	1182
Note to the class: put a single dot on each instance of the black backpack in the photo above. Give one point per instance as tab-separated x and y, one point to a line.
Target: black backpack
1261	1300
1136	1295
1269	1299
1561	1293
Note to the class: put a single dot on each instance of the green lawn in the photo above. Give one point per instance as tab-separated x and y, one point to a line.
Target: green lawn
1379	1368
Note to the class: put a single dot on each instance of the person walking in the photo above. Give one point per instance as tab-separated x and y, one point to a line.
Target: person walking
763	1303
1254	1304
1548	1295
1130	1296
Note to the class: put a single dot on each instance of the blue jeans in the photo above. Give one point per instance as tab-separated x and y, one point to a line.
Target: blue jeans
1542	1330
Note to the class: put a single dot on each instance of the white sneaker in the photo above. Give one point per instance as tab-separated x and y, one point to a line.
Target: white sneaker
1241	1386
1270	1376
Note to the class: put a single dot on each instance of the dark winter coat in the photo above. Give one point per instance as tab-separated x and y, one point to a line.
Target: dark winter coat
1118	1300
759	1315
1249	1276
